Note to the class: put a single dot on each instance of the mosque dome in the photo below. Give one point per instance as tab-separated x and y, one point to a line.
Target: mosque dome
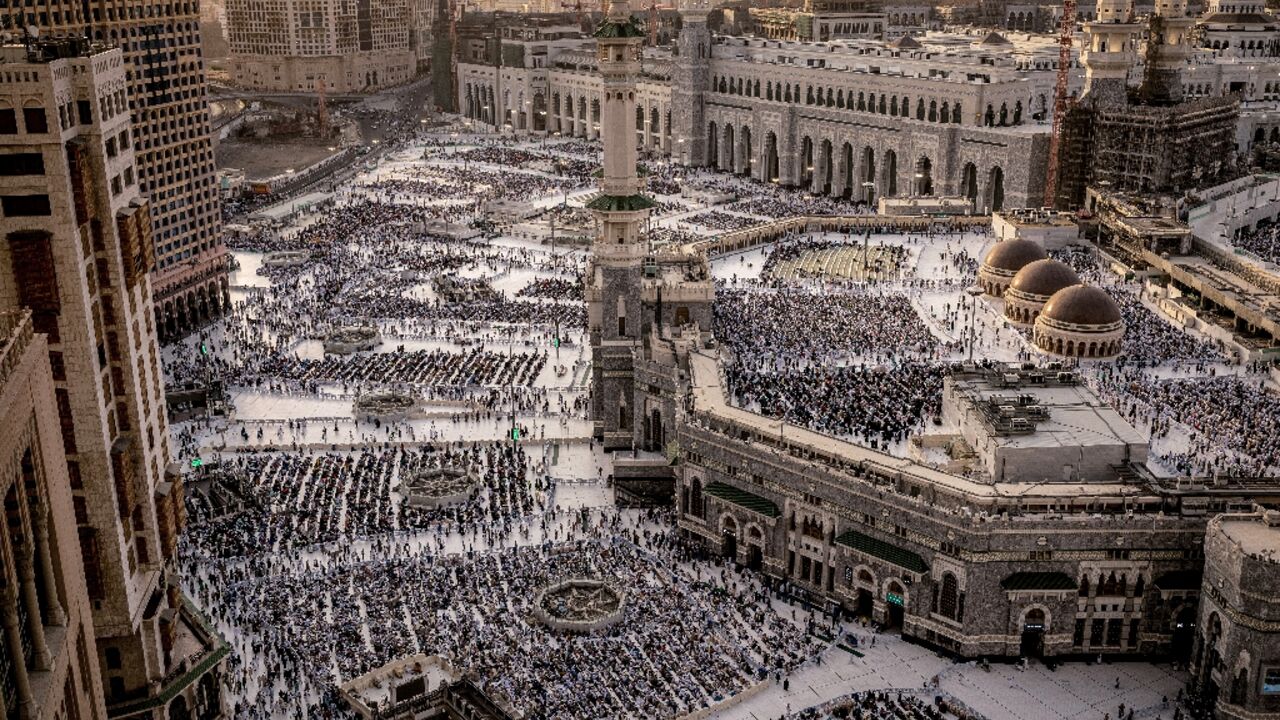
1082	305
1044	277
1013	255
1003	261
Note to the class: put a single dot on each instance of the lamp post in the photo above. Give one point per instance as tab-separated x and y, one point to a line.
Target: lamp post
973	291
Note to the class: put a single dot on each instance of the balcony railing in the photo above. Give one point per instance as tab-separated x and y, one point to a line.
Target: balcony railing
15	335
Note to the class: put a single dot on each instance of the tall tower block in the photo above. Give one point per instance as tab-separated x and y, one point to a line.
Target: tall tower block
614	299
691	75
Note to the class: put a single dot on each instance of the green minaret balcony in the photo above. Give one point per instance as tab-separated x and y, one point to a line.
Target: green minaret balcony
620	203
619	28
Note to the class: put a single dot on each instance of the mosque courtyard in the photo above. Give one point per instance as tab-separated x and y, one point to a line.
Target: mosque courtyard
316	546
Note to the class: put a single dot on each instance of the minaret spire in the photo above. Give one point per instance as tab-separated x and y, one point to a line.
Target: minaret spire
622	205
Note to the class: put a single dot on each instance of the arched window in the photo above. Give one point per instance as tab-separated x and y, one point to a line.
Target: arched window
948	602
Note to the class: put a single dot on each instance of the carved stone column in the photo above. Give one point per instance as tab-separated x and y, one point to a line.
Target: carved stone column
44	550
35	625
9	617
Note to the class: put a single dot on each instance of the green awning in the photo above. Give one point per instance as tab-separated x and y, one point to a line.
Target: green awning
621	203
742	498
1038	581
883	550
1180	580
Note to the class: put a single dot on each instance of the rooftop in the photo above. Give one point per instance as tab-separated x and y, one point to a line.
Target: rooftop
1257	535
1058	414
46	50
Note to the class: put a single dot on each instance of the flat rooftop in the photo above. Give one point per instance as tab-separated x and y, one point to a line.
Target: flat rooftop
1254	536
1076	417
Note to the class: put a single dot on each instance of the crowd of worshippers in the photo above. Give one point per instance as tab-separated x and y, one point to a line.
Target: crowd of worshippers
860	364
335	225
1263	241
554	289
880	259
720	221
291	500
673	236
448	181
1150	340
691	635
416	367
881	705
776	203
1229	420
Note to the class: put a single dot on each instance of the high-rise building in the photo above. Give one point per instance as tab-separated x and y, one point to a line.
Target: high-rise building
76	249
165	81
349	45
47	648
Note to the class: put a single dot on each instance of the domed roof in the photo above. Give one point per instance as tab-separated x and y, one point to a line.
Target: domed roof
995	38
1013	255
1044	277
1082	305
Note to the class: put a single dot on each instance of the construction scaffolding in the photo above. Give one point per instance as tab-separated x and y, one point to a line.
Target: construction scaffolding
1168	149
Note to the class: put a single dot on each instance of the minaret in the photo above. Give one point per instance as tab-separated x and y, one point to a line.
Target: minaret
691	75
1110	53
1168	49
614	297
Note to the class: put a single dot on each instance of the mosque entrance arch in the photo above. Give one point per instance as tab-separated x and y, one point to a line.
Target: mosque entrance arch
1033	630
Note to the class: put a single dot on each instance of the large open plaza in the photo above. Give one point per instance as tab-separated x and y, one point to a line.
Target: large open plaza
608	360
313	549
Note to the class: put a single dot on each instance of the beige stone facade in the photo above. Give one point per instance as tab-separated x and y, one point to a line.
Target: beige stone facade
165	84
77	250
349	47
47	642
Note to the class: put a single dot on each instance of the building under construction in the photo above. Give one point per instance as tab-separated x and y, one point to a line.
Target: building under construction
1149	139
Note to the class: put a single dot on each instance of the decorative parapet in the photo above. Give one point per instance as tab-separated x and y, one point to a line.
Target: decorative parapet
15	335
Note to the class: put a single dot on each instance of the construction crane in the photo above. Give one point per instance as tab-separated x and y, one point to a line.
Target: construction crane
1061	101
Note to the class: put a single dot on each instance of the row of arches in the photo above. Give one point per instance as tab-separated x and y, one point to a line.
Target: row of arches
180	315
912	19
652	128
859	174
1081	349
1247	48
1111	585
888	104
478	103
1260	135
